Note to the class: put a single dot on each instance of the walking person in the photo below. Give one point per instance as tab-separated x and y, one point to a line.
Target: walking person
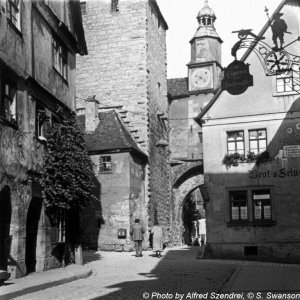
137	232
157	239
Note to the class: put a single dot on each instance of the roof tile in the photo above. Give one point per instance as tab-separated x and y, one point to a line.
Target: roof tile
110	135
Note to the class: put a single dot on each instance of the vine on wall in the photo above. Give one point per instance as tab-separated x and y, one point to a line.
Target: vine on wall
66	178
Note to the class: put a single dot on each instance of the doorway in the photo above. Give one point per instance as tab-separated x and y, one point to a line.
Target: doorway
32	226
5	220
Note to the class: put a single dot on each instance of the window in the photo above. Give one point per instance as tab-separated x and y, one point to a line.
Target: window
9	102
83	8
200	134
40	121
262	204
235	142
250	206
238	205
105	165
257	140
114	5
60	58
285	82
13	13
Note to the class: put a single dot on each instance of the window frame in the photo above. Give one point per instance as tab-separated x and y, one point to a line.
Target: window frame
13	13
235	142
114	7
105	167
292	75
40	125
240	219
60	58
262	219
251	221
83	7
9	97
257	140
282	78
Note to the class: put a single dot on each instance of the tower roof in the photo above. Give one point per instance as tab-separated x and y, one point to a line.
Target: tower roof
206	18
206	11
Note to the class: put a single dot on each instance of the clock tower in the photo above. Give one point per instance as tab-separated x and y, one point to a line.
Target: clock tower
205	65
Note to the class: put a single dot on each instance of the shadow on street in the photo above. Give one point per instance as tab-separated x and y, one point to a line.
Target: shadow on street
177	271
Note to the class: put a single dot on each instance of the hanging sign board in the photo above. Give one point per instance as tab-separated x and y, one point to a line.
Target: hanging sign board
237	78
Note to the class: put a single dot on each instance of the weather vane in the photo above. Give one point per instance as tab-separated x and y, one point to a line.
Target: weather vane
279	28
274	59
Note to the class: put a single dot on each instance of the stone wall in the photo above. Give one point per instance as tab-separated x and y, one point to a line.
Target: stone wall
126	69
115	69
159	186
122	199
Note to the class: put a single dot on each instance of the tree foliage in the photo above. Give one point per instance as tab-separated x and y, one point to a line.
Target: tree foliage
66	178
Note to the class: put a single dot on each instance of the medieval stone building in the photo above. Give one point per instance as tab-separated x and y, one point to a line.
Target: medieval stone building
126	71
119	168
188	96
38	44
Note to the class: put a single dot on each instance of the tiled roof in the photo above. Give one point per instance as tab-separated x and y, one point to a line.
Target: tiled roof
111	135
178	87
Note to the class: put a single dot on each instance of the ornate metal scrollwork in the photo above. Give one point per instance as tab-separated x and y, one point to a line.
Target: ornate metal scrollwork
273	60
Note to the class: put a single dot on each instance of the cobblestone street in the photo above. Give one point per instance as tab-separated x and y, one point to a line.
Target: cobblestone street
120	275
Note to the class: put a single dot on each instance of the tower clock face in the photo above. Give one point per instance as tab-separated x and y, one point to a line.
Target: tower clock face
201	78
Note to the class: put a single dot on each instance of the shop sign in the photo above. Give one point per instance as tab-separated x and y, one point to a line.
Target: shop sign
281	173
237	78
291	151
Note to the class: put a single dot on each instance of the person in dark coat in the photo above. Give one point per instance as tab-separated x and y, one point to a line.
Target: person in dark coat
137	232
278	27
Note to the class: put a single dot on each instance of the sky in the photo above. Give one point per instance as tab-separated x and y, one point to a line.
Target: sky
231	15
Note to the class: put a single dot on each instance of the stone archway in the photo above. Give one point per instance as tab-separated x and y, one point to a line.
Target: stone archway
5	221
180	192
193	218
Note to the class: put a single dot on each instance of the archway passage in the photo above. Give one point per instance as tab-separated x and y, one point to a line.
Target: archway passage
32	226
181	190
193	215
5	220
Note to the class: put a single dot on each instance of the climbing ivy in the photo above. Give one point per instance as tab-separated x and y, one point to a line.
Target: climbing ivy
66	179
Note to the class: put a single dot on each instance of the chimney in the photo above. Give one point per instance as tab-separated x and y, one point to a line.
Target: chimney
91	114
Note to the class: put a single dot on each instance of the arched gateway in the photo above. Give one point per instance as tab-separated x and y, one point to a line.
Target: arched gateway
180	192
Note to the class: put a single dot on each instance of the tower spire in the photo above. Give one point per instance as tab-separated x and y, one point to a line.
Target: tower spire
206	16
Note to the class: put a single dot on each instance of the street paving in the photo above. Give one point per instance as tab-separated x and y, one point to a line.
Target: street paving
121	275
